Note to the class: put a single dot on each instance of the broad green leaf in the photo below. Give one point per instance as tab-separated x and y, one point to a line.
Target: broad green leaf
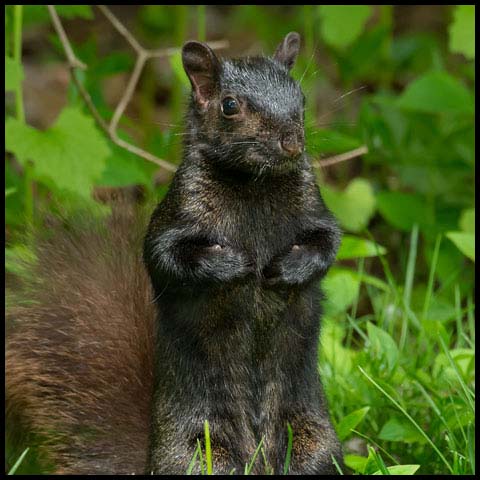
336	355
39	14
10	191
403	210
374	461
342	24
354	207
13	74
350	422
356	247
467	221
465	242
382	345
462	31
464	359
329	141
72	11
341	289
365	278
123	168
355	462
157	19
400	470
365	57
71	154
177	67
437	92
439	310
400	430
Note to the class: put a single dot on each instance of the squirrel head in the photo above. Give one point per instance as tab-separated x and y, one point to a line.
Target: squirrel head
246	114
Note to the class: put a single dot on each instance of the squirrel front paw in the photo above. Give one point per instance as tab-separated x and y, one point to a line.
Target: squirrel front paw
301	264
222	263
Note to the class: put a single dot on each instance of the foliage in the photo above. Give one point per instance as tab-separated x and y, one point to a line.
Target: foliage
397	356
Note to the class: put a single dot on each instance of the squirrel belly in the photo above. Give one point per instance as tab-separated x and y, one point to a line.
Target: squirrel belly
118	358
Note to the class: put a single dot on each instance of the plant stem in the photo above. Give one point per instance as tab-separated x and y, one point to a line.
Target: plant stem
17	56
19	109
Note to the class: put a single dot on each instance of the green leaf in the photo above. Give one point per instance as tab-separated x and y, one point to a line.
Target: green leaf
462	31
403	210
13	74
437	92
467	220
341	289
350	422
336	355
355	462
400	470
354	207
177	67
365	278
72	11
39	14
383	346
356	247
71	154
465	242
123	168
342	24
400	430
329	141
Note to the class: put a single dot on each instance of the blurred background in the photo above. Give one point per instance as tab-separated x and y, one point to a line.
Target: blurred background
390	129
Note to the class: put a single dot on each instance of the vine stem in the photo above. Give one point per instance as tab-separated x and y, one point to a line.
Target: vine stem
19	108
143	55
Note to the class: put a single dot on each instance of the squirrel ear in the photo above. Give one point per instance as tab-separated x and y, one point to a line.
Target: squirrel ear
202	67
287	51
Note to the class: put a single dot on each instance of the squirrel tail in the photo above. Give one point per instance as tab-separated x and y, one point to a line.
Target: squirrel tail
79	350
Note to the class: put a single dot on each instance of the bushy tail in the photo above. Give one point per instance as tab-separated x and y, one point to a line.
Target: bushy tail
79	356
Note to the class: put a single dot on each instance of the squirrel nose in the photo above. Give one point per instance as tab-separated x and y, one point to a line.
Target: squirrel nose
292	144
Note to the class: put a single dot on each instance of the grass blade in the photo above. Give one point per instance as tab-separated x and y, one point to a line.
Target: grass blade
248	467
466	391
208	449
409	275
18	462
199	448
415	424
337	466
431	276
193	461
289	449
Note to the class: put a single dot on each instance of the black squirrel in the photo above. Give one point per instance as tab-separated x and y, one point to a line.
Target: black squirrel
110	375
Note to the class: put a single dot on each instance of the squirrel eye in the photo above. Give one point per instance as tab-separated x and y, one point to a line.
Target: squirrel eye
230	106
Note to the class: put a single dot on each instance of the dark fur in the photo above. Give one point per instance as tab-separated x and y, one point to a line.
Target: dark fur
238	306
234	252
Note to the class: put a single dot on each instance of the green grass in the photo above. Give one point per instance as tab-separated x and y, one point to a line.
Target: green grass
404	383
